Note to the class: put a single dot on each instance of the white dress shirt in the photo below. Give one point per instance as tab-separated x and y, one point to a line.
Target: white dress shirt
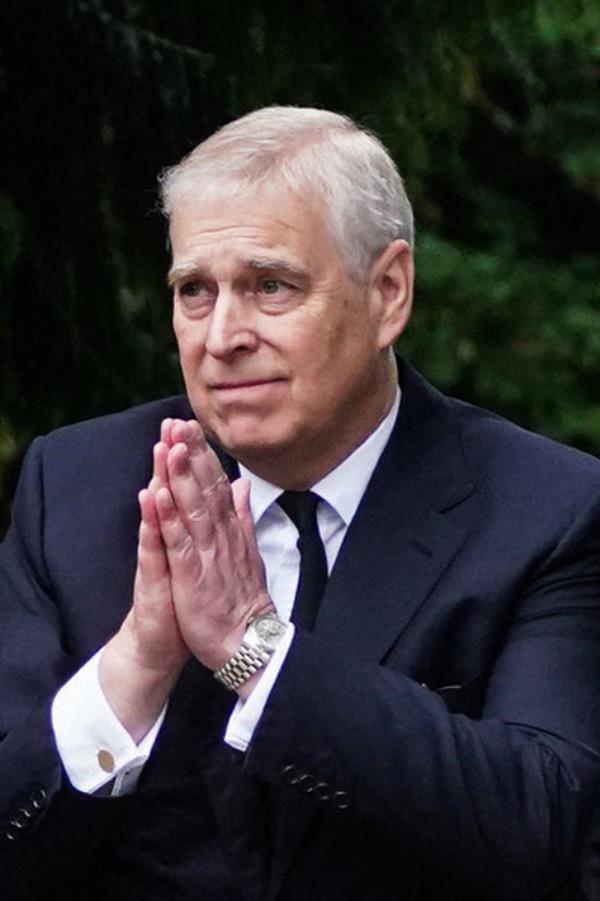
93	745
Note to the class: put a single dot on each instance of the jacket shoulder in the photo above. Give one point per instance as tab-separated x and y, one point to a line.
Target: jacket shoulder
526	471
495	438
139	424
494	451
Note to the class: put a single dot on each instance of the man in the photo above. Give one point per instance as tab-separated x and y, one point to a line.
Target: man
428	727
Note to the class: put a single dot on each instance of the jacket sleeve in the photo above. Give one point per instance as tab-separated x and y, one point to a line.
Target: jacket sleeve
32	664
36	798
500	795
66	574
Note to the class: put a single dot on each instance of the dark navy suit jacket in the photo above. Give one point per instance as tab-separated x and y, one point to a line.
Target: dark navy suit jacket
436	736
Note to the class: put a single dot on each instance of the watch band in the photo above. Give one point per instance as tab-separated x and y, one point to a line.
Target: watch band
241	666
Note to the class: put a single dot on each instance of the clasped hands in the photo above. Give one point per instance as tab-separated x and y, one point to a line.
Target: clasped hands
199	578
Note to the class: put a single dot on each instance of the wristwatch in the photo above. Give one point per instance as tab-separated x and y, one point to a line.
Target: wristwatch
260	640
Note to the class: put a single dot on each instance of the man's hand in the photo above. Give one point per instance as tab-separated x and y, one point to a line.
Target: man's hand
217	574
140	665
199	578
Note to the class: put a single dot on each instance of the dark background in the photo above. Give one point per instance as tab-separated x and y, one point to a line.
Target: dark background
491	110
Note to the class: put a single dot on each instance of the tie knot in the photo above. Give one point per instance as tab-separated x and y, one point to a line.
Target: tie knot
301	507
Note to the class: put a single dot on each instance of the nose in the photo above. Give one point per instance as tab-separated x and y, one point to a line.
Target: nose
230	329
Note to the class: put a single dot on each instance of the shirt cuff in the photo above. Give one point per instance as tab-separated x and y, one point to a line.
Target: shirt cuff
93	745
246	714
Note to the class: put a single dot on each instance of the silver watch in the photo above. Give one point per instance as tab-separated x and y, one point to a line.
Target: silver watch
258	646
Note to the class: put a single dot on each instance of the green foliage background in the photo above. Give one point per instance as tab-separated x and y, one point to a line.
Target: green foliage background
490	108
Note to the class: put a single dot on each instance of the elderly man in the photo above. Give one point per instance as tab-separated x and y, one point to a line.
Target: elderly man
397	593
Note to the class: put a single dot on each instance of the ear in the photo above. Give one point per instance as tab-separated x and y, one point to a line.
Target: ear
391	291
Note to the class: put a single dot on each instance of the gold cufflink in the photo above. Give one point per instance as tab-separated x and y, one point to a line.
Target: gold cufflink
106	761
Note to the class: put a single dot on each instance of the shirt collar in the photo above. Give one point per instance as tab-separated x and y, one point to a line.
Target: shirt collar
345	485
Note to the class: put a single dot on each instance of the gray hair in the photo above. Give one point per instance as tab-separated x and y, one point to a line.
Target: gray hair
309	150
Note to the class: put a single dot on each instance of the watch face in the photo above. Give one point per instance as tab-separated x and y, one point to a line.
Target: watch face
269	630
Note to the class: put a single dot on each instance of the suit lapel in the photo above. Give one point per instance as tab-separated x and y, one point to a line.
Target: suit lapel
410	524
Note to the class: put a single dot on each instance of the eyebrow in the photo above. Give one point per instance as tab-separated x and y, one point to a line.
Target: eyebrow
179	272
259	264
269	263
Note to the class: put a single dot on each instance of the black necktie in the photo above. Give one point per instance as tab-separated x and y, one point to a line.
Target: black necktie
301	507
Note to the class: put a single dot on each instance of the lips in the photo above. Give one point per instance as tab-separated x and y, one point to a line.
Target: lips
249	383
250	392
232	386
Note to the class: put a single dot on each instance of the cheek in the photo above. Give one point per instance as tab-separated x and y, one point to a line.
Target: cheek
190	342
345	339
324	332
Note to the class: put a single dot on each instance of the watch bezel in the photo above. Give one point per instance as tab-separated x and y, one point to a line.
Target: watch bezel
256	635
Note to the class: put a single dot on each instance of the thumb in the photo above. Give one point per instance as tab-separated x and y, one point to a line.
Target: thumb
240	490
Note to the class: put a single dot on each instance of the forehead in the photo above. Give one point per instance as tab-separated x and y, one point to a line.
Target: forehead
276	225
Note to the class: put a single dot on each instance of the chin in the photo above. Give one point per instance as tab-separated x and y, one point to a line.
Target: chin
247	449
252	447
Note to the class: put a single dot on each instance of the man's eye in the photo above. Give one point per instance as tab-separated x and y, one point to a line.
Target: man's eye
195	296
270	285
275	295
191	289
196	292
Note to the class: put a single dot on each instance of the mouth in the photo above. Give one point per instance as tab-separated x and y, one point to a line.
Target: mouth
249	383
247	389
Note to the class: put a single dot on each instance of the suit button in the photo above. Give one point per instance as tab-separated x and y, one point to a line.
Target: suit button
307	783
340	799
21	819
11	834
291	774
39	799
322	791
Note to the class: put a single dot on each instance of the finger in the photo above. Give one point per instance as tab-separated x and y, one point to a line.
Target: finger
240	491
203	461
190	497
152	617
206	508
152	585
150	544
206	467
185	565
165	430
219	542
159	478
181	432
240	494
